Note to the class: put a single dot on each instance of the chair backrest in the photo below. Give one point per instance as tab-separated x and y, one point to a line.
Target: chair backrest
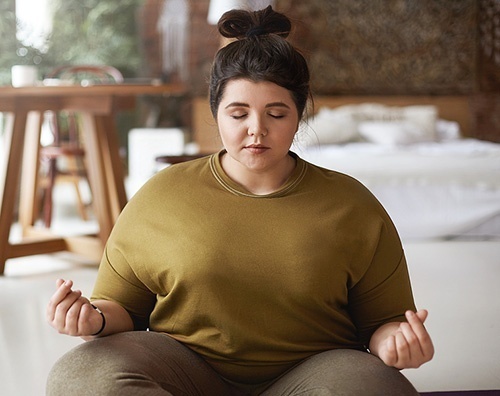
64	125
87	74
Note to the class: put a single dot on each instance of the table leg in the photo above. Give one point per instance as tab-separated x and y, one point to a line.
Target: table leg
28	206
110	146
95	147
9	178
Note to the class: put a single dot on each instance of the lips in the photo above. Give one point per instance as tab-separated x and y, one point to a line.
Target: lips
256	148
259	146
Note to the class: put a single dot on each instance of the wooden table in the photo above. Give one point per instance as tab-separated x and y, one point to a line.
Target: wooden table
97	106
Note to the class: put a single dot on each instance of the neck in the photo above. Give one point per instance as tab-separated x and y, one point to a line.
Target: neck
261	182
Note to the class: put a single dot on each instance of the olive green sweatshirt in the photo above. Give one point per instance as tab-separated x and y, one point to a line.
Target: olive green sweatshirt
254	283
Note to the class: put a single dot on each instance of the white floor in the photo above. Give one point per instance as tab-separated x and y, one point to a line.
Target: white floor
459	283
456	281
28	345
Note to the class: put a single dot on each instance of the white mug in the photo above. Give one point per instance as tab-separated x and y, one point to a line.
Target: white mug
24	76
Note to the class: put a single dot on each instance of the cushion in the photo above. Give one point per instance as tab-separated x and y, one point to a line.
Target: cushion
329	126
391	133
342	124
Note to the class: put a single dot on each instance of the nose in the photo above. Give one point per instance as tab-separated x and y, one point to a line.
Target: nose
257	127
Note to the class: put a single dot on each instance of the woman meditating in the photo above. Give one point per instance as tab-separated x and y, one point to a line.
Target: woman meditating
250	271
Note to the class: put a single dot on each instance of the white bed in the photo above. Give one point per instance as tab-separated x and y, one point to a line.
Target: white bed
431	190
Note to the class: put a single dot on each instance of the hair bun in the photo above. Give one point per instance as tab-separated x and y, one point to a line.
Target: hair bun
240	24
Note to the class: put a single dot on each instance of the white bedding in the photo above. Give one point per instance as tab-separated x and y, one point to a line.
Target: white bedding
430	189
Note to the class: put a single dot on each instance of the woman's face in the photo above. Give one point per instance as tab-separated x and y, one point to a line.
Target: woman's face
257	123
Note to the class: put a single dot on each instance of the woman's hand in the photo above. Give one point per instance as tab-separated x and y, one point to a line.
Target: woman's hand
70	313
404	345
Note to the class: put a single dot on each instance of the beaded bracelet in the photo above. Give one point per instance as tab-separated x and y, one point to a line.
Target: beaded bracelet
103	320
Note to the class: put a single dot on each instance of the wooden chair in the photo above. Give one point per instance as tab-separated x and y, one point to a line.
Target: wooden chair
64	158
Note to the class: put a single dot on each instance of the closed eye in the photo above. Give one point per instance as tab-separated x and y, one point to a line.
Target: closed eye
238	116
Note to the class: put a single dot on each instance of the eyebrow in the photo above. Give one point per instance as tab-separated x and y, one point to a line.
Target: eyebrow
241	104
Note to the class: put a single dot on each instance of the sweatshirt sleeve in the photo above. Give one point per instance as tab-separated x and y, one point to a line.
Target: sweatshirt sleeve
116	281
383	293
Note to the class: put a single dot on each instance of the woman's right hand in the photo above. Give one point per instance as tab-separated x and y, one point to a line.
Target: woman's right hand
71	313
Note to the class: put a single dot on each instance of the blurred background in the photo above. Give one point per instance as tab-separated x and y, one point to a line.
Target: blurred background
353	46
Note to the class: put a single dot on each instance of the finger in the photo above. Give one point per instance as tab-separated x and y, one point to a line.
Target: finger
409	334
414	348
403	351
389	356
63	289
416	321
62	308
422	315
71	325
84	323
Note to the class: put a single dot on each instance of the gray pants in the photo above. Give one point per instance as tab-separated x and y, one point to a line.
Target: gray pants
148	363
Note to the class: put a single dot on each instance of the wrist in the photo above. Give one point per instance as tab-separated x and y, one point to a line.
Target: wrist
103	321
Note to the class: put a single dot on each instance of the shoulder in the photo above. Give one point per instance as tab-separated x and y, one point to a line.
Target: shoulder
330	179
177	175
193	166
342	190
173	183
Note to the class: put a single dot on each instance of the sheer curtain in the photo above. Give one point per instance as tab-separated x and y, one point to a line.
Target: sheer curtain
173	29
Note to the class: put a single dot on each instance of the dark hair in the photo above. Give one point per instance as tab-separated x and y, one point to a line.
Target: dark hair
260	53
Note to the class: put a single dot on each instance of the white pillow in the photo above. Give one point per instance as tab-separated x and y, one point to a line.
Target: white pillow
391	133
341	124
425	117
329	126
422	116
447	130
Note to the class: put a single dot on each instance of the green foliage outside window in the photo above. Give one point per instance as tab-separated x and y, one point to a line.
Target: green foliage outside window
84	32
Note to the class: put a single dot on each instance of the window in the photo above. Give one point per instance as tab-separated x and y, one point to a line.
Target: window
69	32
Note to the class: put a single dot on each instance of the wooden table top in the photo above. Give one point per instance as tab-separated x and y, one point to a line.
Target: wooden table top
92	90
97	98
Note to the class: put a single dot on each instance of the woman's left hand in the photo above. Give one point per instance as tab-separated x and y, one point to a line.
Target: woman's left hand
404	345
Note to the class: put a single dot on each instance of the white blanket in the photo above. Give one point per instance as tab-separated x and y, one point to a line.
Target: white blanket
432	189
